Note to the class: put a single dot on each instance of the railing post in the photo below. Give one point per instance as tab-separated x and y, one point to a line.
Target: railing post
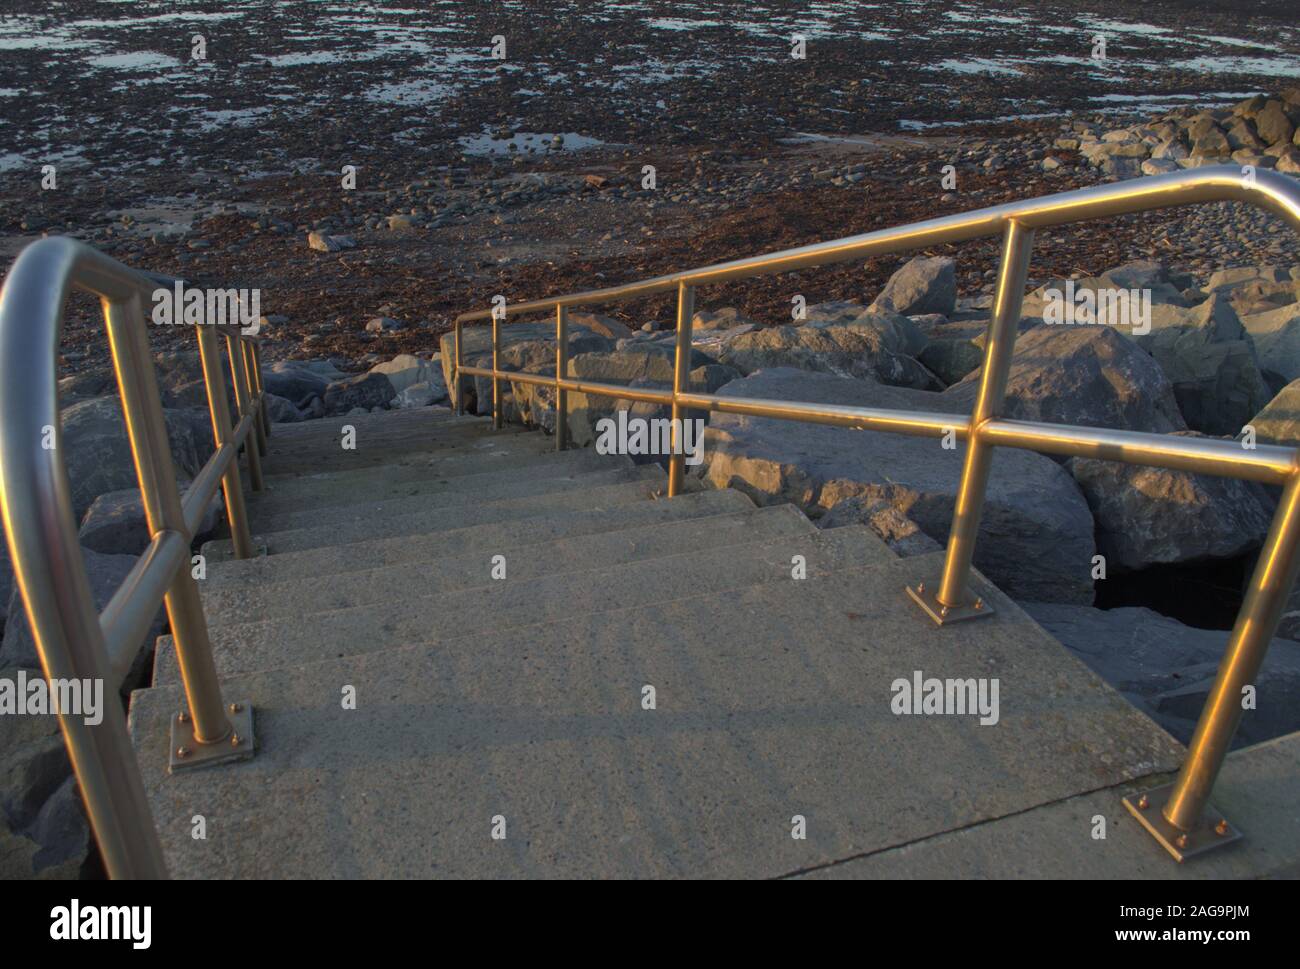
457	392
219	409
239	374
1179	815
151	450
561	373
953	603
255	361
254	395
681	381
497	313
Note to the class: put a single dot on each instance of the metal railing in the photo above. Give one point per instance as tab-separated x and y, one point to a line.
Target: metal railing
74	639
1178	815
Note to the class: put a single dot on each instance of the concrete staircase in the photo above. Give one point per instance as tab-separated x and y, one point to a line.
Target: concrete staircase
516	705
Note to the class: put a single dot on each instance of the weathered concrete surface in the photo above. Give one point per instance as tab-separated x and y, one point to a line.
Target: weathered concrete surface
415	500
374	448
316	591
426	478
771	702
423	616
405	548
651	482
1258	791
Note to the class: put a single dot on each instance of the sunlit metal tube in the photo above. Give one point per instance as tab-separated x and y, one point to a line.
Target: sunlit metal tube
219	411
239	375
151	449
496	367
254	397
36	501
1270	586
561	371
127	617
681	383
260	391
1003	326
458	392
198	496
1204	455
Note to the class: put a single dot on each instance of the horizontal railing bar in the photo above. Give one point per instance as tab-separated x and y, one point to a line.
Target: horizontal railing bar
1268	189
199	494
1205	455
126	619
1264	463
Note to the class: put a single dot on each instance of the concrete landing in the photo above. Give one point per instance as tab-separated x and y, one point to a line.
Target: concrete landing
771	702
414	614
1258	790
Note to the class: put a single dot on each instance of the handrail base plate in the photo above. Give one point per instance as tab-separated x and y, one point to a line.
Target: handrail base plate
924	596
1211	831
209	755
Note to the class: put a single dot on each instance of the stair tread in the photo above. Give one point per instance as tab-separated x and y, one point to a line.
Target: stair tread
382	450
430	615
459	516
290	494
328	426
376	507
292	593
377	553
770	702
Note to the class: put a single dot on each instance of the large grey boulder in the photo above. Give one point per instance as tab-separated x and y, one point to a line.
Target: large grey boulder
1210	360
846	351
106	572
296	382
1156	516
406	369
42	831
1277	341
367	390
923	285
282	410
1034	512
115	523
97	450
1166	668
1085	375
898	332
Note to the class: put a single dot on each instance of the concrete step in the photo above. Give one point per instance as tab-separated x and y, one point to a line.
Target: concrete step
414	618
1257	791
486	453
293	494
371	508
331	427
651	482
376	450
311	592
770	702
417	547
330	436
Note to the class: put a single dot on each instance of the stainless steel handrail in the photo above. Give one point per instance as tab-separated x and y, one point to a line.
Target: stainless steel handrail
1177	815
74	639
